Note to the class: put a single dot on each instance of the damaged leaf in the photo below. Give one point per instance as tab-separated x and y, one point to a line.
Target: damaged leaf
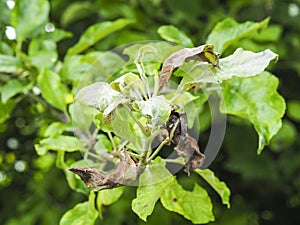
101	96
96	180
188	148
203	53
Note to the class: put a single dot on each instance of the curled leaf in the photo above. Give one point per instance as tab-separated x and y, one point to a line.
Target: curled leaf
203	53
188	148
96	180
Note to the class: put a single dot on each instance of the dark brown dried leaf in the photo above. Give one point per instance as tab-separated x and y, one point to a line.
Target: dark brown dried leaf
124	173
203	53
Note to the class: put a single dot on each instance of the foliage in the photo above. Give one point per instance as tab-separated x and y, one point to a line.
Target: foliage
43	97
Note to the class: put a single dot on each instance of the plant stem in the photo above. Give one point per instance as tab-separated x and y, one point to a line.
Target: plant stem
158	149
144	130
156	83
112	141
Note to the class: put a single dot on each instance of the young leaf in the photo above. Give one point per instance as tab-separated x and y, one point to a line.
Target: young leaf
10	64
173	34
14	87
244	64
28	17
101	96
153	182
255	99
57	143
219	186
158	108
82	214
228	31
97	32
53	91
193	205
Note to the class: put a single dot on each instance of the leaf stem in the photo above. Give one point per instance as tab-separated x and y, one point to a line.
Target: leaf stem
144	130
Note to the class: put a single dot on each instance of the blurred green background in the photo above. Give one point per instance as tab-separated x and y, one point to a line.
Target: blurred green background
265	189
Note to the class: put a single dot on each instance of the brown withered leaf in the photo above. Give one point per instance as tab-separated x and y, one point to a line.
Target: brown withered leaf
96	180
203	53
188	148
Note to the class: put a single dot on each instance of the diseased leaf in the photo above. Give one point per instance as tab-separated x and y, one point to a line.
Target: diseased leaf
53	91
203	53
97	32
219	186
153	182
193	205
29	17
228	31
101	96
124	173
158	108
255	99
173	34
58	143
14	87
82	214
244	64
10	64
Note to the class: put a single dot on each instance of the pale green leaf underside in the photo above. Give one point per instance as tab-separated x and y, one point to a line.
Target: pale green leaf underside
173	34
255	99
244	64
228	31
219	186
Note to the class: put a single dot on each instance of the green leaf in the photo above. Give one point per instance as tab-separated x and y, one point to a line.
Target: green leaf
82	214
255	99
56	36
228	31
173	34
53	91
219	186
76	11
244	64
97	32
14	87
293	110
42	53
57	143
153	182
29	17
55	128
109	196
158	108
74	181
193	205
6	109
286	136
10	64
